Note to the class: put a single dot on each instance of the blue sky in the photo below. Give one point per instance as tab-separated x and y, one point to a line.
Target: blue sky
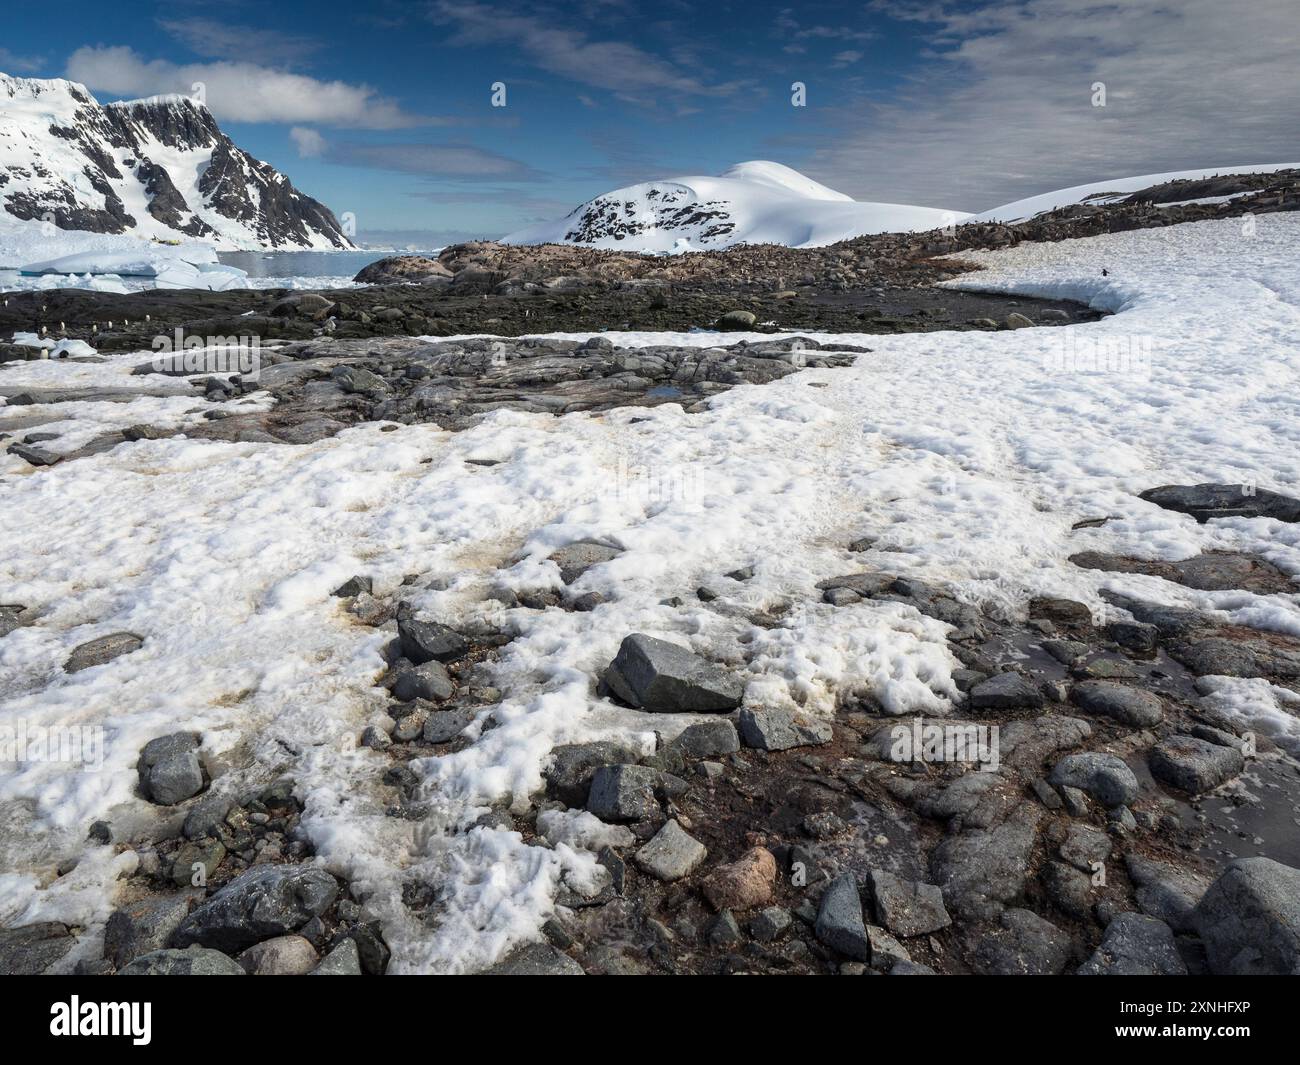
385	109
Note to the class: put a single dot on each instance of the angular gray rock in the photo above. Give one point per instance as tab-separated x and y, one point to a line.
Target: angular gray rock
708	739
1022	944
780	730
192	961
429	680
31	949
905	907
443	726
1249	919
671	854
1120	702
1006	691
839	919
266	901
1085	845
1165	891
1135	945
576	558
536	959
343	960
104	649
624	793
144	926
427	641
980	872
176	778
572	765
660	676
1194	765
1103	776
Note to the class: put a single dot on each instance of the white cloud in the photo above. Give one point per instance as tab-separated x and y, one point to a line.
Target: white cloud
240	91
1004	107
309	143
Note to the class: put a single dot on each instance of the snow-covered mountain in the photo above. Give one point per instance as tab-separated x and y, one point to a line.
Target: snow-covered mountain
752	203
1114	189
157	168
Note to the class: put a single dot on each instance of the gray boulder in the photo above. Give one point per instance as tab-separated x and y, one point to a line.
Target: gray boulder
1005	691
429	680
1194	765
671	854
780	730
1135	945
980	872
839	919
1022	944
536	959
660	676
143	926
905	907
1249	919
31	949
427	641
343	960
1128	706
624	793
1103	776
572	765
281	956
1206	501
192	961
266	901
1165	891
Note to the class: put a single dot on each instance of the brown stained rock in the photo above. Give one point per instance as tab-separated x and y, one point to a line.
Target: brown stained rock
742	884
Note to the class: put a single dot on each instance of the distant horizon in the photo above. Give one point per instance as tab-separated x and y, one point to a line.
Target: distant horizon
453	120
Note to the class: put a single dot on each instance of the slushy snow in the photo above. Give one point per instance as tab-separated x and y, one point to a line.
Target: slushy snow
968	455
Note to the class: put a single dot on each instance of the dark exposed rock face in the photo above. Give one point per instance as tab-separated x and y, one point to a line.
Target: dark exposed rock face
110	149
1206	501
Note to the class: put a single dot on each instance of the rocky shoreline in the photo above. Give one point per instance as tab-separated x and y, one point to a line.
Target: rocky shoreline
1070	816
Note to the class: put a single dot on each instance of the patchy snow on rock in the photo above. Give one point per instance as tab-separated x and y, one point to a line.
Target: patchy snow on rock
1103	192
968	456
752	203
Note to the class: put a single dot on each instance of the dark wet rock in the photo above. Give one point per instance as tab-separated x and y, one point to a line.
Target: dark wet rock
624	793
979	872
353	586
1103	776
1210	571
204	817
576	558
724	931
1006	691
780	730
1206	501
103	649
1022	944
1028	742
568	776
1135	636
196	862
31	949
707	739
302	305
1120	702
144	926
1249	919
1164	891
1194	765
266	901
1135	945
193	961
1065	651
671	854
770	924
443	726
428	641
839	919
1066	612
34	456
536	959
906	907
429	680
1239	656
659	676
